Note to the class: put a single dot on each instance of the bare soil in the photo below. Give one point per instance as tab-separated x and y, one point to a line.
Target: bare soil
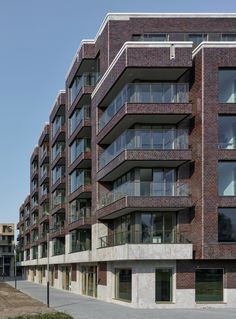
14	303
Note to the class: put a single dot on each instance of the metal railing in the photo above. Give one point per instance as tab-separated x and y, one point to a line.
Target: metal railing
145	189
143	237
146	93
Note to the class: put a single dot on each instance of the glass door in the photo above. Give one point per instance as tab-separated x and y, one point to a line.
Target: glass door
89	281
164	285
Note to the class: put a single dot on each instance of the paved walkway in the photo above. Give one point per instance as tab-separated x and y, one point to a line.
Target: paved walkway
81	307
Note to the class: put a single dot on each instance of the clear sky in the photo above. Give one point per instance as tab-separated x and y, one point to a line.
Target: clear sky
38	39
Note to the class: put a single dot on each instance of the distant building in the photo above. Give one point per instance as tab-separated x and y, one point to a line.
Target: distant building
6	250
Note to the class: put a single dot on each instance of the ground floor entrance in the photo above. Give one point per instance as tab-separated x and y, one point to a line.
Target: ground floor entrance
89	281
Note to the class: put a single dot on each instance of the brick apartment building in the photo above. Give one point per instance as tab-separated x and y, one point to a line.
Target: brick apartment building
6	250
134	176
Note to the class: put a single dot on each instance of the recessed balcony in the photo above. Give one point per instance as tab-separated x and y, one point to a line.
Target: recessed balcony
149	103
146	93
81	81
80	218
161	147
58	154
144	196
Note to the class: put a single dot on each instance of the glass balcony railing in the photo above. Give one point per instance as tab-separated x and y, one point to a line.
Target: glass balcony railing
57	150
146	236
57	124
83	113
146	93
145	189
155	139
43	151
82	213
58	199
86	79
78	147
79	178
57	173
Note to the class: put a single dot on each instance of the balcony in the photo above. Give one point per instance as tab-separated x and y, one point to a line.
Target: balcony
79	115
146	93
44	155
144	196
58	154
81	81
144	148
58	201
143	237
80	218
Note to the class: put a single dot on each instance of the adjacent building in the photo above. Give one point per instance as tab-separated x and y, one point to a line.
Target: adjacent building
6	250
134	175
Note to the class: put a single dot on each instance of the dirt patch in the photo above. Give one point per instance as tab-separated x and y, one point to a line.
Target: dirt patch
13	303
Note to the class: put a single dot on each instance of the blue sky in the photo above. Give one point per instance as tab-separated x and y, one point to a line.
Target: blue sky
38	39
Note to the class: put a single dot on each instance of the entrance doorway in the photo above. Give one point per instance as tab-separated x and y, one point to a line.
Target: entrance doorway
89	281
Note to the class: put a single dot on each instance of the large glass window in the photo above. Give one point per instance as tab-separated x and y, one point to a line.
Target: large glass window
227	85
209	285
164	285
227	225
227	132
80	240
83	113
227	178
124	284
158	228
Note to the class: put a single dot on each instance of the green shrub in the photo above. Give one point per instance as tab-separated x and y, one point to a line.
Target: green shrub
57	315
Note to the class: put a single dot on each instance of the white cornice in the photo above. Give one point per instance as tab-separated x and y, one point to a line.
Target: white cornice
214	44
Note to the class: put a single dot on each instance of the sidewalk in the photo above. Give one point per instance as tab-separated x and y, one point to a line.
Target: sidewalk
81	307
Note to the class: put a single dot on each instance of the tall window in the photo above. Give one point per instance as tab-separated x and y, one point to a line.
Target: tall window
209	285
227	225
124	284
227	85
227	132
164	285
227	178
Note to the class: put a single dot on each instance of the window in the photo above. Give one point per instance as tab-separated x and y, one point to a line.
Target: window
124	284
164	285
227	225
209	285
197	38
151	37
228	37
227	85
227	178
227	132
158	228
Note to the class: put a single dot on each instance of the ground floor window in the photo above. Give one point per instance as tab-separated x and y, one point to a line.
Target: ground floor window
209	285
164	285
